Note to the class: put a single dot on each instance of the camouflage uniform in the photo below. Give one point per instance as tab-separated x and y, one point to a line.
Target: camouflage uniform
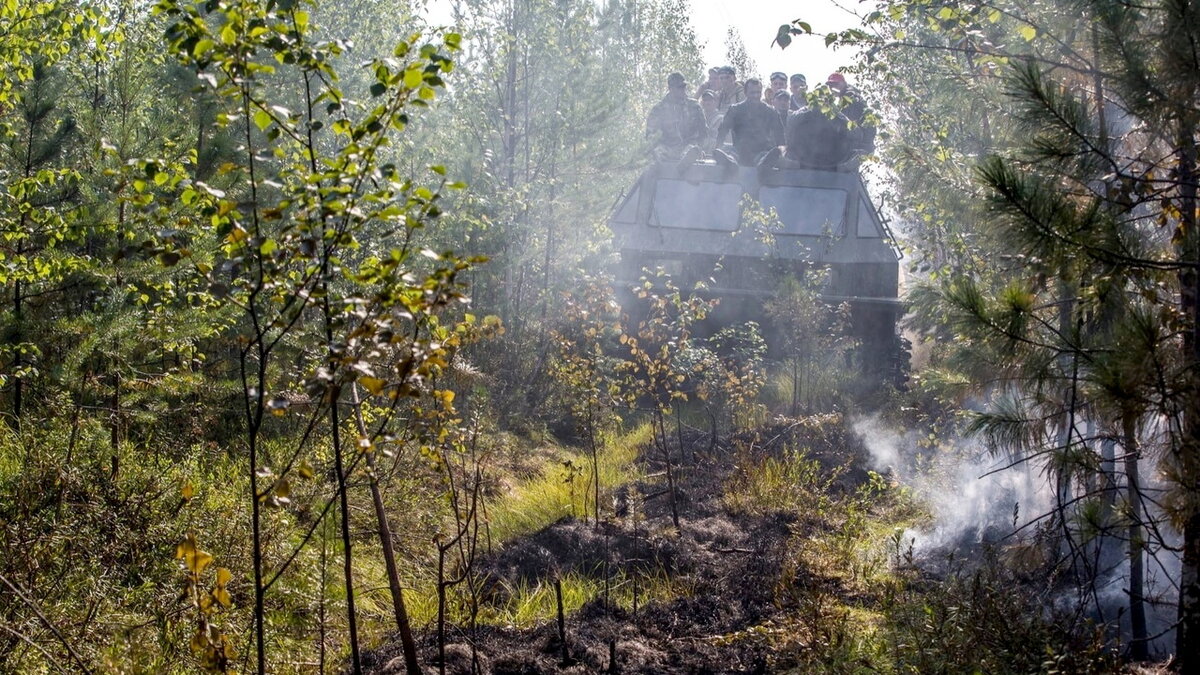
725	101
675	124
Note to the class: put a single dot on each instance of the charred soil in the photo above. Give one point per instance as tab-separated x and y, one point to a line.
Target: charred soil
723	568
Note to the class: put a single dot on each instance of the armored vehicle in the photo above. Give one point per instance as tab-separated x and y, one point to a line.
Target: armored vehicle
742	229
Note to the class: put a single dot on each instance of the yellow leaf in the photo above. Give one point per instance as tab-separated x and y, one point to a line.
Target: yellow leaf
195	559
199	642
1028	32
187	491
186	547
223	576
372	384
305	470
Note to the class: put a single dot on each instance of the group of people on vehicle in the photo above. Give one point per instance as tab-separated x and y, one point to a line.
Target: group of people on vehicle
783	126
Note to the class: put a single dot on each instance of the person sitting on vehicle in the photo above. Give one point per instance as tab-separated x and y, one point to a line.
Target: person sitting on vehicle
755	125
778	83
676	123
817	136
860	131
782	105
731	92
713	83
798	86
712	120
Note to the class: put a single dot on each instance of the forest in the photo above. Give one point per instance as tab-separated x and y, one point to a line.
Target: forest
325	347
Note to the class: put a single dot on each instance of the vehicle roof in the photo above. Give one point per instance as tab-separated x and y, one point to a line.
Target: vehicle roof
825	217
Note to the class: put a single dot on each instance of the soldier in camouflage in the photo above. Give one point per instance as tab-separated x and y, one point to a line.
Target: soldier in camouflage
676	123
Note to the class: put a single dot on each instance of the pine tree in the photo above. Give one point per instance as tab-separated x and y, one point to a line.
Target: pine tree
42	195
1073	291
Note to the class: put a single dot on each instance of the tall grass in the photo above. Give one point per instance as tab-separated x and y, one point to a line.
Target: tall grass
524	605
536	503
791	483
527	605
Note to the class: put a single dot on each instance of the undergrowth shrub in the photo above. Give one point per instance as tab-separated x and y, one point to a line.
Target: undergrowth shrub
982	618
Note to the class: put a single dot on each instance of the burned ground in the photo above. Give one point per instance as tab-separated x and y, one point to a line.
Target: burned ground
726	567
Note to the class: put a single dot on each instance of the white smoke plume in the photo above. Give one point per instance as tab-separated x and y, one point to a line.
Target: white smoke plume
974	496
970	495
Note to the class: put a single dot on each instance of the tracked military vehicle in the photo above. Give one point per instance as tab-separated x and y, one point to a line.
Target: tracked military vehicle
705	222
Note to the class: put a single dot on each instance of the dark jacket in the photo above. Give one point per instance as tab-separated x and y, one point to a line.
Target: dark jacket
814	140
756	128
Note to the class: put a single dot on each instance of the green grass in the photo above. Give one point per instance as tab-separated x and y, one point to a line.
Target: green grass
790	483
528	606
536	503
525	605
529	506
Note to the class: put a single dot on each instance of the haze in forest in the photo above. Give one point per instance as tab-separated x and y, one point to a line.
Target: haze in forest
537	336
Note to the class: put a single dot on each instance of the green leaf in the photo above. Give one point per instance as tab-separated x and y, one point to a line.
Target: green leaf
262	120
413	78
784	36
268	247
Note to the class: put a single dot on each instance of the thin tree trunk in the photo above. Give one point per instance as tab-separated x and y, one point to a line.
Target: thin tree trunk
1138	646
1188	458
562	623
591	432
321	606
441	617
666	453
339	467
18	320
389	552
115	429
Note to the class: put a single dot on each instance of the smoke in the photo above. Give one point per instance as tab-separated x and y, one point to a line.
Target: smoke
971	496
975	497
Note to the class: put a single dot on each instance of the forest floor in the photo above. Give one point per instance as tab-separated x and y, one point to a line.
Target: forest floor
715	595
